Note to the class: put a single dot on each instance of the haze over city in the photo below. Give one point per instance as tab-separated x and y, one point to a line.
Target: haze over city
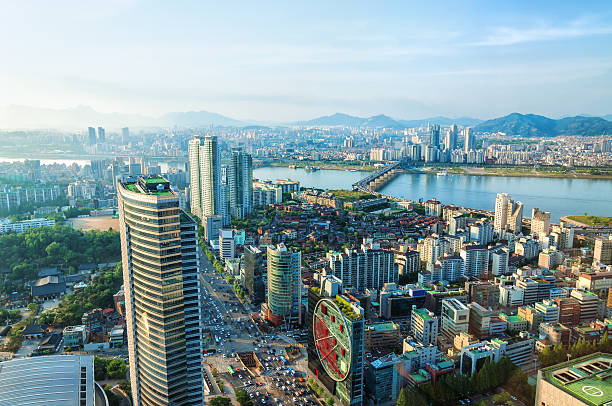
281	62
319	204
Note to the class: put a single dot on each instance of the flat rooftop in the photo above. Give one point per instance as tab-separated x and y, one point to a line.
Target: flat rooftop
588	378
47	380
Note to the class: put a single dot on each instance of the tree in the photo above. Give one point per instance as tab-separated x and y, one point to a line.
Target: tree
116	369
220	401
243	398
100	365
330	401
33	307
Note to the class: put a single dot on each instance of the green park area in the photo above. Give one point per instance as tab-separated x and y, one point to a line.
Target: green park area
351	195
595	221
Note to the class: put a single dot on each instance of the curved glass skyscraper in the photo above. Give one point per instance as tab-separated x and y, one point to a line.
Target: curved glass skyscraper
162	294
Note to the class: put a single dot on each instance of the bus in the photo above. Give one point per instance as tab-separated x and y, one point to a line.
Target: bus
230	370
209	351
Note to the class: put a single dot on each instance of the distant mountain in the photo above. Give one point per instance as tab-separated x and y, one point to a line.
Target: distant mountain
383	121
198	119
81	117
532	125
338	119
462	121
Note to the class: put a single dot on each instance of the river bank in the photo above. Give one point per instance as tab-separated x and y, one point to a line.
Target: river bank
560	196
517	172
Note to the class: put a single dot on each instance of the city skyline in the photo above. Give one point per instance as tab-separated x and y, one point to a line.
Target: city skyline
290	62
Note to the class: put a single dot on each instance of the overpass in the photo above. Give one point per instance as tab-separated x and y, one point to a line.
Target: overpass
379	178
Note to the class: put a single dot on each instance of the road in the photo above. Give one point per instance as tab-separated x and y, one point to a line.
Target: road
229	329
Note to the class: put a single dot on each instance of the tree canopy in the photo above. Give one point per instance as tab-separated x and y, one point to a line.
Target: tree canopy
59	246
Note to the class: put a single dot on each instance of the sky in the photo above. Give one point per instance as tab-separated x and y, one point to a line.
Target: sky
282	61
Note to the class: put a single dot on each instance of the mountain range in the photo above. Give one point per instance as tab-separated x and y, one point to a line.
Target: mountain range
80	117
383	121
532	125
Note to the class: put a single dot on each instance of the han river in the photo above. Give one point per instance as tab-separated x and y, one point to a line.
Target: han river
561	197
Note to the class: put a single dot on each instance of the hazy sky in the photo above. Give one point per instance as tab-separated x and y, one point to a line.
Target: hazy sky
280	61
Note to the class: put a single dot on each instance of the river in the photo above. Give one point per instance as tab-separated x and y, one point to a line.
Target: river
562	197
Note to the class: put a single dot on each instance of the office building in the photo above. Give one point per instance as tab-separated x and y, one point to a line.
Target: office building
383	336
540	223
469	140
450	143
474	356
434	135
424	326
588	303
125	135
511	296
455	318
212	226
602	254
252	266
162	294
585	381
240	182
284	285
569	310
479	321
101	134
485	293
227	245
91	135
382	381
508	214
335	347
205	175
369	268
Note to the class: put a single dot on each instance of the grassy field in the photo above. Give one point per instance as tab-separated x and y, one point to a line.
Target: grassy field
596	221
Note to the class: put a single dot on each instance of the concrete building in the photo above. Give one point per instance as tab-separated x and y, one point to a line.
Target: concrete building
7	225
602	254
381	379
266	193
424	326
479	320
527	247
384	336
475	261
368	268
162	294
588	304
508	214
455	318
212	225
50	380
584	381
474	356
481	232
511	296
408	261
498	258
540	223
227	245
